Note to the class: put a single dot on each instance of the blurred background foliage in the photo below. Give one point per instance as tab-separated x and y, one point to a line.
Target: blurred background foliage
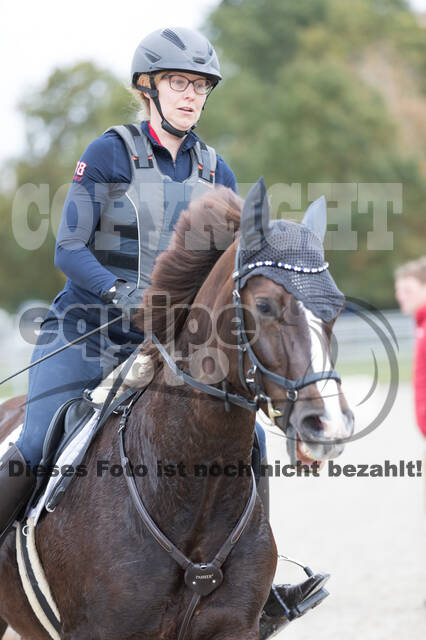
315	91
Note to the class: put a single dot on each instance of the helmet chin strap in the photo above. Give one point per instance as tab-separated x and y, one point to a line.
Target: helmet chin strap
153	93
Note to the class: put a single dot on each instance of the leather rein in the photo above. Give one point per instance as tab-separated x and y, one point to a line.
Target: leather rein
203	578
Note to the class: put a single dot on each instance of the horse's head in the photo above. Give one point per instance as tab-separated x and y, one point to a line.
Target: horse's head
256	317
287	303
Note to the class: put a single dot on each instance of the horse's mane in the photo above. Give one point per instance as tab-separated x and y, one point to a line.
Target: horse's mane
203	232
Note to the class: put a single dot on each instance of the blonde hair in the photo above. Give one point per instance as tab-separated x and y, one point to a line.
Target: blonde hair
142	101
413	269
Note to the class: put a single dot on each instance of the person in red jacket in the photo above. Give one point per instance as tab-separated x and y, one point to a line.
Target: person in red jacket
410	292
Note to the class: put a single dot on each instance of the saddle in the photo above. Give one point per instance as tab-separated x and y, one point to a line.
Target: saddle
68	423
68	420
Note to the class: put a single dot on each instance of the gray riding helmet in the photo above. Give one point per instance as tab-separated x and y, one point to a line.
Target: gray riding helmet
179	49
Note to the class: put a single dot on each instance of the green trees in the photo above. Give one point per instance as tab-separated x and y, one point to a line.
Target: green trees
314	92
75	106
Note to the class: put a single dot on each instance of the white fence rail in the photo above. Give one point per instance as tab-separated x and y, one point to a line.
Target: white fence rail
357	338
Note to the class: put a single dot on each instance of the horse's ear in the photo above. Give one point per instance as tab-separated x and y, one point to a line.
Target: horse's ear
254	223
315	217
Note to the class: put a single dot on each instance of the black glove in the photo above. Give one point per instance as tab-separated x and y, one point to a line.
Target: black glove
125	295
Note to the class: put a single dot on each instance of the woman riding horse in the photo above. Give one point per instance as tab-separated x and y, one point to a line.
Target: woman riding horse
128	191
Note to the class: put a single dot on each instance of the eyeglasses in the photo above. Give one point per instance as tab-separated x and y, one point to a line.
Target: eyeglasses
202	86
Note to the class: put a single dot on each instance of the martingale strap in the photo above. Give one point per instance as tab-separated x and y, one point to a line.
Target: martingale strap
201	578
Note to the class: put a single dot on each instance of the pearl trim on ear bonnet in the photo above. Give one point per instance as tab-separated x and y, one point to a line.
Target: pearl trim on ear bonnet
290	254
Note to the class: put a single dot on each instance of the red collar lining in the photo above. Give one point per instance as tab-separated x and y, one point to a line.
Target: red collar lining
153	134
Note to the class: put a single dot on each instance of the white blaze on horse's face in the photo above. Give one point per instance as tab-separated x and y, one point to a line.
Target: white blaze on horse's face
334	421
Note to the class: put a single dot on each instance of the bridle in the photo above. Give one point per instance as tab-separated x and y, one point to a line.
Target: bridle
203	578
253	378
250	380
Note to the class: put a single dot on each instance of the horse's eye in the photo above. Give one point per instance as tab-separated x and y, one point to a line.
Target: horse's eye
264	307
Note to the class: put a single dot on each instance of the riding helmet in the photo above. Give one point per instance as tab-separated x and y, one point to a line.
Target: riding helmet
177	49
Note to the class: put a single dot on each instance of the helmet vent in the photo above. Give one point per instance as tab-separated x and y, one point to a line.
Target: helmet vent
173	37
152	57
199	60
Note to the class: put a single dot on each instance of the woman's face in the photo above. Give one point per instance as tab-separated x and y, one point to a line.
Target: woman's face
410	294
181	108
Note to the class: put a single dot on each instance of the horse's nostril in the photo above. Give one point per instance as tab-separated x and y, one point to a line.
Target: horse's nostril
312	423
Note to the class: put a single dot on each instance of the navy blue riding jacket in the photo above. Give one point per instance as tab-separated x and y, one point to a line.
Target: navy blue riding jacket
105	161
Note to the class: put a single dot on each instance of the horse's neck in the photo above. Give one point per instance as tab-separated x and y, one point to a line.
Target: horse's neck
207	448
205	420
195	458
194	425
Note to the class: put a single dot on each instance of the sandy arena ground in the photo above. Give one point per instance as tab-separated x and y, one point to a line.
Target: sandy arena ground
369	533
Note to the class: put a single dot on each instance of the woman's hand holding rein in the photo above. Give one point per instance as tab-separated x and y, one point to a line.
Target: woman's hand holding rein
125	295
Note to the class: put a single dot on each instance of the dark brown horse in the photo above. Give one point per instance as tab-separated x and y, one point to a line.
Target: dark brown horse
109	577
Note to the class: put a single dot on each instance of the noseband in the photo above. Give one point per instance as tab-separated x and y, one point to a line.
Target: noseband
252	379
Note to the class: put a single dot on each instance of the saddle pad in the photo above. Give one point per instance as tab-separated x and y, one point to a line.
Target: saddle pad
34	580
67	457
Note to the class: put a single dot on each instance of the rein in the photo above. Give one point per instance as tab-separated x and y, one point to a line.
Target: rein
221	394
